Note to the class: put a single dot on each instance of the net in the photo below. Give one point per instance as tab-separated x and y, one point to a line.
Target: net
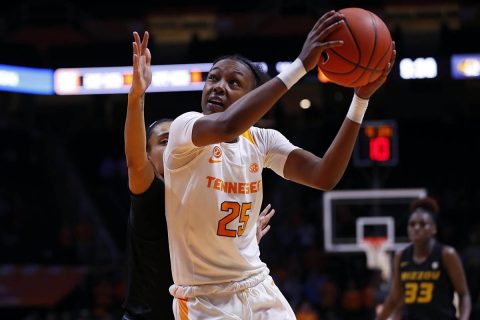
377	255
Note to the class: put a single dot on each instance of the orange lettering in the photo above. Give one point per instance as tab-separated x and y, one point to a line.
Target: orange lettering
216	184
210	179
232	187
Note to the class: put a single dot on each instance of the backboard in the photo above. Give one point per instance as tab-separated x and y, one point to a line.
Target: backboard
349	216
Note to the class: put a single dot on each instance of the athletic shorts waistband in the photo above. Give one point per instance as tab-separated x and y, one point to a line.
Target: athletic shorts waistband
186	292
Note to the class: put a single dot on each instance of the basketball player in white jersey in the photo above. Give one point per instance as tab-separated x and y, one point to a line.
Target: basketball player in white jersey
213	165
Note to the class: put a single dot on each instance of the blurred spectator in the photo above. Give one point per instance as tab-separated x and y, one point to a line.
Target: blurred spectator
306	312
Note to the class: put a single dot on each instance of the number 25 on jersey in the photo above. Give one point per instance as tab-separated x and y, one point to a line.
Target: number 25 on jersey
236	210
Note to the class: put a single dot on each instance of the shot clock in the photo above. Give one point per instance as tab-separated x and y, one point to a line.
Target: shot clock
377	144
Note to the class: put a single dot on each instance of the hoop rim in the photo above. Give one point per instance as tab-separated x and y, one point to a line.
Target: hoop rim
374	242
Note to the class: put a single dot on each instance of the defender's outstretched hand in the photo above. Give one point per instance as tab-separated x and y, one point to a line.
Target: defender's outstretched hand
368	90
142	71
262	223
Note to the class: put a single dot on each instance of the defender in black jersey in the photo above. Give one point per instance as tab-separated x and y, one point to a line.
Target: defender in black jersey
148	263
426	273
148	259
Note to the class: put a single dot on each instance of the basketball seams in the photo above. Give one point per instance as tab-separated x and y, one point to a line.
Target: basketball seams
389	49
343	58
355	64
361	60
372	52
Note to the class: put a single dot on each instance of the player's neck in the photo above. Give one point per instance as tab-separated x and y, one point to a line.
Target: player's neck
423	250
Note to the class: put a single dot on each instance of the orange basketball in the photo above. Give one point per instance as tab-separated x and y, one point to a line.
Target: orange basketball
365	53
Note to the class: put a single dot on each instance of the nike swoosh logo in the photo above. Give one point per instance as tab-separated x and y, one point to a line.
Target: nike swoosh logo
211	160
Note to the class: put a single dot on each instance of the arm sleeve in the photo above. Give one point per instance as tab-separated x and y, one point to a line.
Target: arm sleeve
276	148
180	148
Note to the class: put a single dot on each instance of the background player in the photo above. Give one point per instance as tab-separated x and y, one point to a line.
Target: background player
426	273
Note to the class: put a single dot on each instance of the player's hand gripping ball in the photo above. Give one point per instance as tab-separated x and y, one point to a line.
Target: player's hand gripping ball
365	53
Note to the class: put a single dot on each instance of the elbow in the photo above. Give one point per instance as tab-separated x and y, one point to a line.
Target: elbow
134	164
326	183
131	164
326	187
320	176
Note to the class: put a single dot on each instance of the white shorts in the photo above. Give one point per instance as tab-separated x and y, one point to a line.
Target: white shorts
252	299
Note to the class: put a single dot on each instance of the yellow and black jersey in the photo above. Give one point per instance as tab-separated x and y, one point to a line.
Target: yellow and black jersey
427	289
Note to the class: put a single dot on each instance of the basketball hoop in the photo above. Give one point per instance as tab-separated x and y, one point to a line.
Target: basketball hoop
377	255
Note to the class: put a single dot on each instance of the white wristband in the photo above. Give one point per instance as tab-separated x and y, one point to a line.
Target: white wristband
357	109
294	72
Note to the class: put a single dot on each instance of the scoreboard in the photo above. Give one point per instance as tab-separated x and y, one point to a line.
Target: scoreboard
377	144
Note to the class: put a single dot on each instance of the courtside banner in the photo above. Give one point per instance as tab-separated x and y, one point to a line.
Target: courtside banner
111	80
465	66
26	80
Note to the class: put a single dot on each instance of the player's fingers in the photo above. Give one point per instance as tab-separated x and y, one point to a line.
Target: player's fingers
269	215
265	230
136	37
264	211
330	29
148	56
327	19
323	18
135	56
135	48
394	56
146	35
391	63
262	223
330	21
330	44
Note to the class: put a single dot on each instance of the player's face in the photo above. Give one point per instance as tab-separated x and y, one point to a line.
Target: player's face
227	81
158	142
421	226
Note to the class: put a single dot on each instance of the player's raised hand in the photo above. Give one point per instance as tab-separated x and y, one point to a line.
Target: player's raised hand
142	71
315	43
368	90
262	223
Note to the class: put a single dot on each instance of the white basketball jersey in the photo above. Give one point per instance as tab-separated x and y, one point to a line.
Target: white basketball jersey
213	199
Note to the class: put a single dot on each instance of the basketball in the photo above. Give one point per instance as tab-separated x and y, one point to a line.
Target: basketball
365	53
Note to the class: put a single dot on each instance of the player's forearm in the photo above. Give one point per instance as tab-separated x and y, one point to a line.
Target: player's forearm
465	306
388	308
134	131
250	108
336	159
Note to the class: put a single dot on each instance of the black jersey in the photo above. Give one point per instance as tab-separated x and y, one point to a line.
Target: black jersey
428	291
148	266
